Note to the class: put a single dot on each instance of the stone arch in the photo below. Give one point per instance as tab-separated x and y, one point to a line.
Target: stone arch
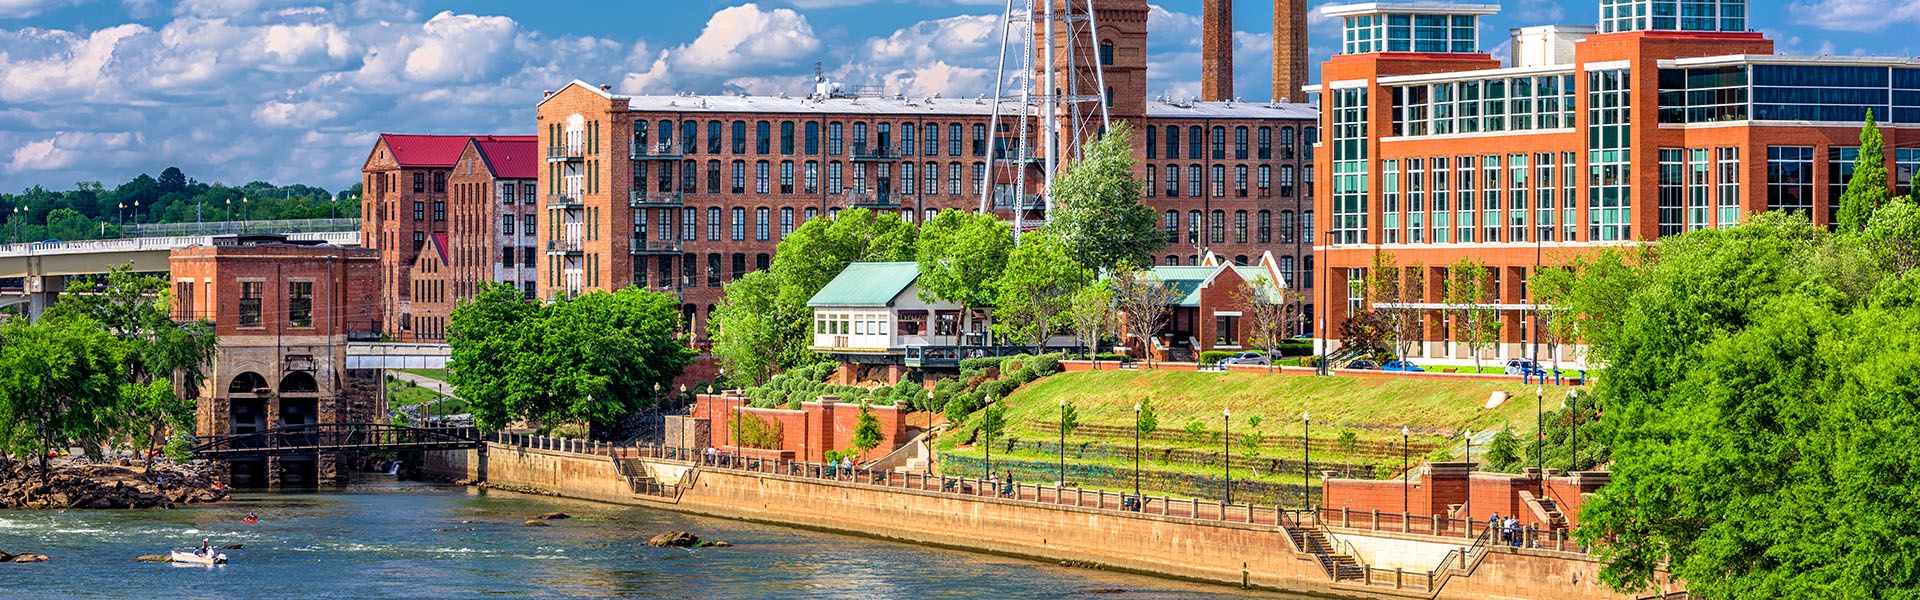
299	382
248	382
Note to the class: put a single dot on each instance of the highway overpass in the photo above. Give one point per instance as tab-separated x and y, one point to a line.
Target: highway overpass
36	272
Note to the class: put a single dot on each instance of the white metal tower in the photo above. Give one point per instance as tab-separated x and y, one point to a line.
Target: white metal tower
1065	40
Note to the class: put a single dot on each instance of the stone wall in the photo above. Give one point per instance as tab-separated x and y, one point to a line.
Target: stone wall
1223	553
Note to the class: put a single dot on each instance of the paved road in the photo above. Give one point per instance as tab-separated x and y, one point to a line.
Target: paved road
426	382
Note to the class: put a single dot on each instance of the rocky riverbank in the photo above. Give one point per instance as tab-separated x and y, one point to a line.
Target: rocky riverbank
80	485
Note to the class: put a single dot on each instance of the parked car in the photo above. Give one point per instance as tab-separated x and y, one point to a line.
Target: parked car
1402	367
1362	365
1522	366
1246	358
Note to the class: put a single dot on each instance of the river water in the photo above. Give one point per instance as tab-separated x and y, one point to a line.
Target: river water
387	539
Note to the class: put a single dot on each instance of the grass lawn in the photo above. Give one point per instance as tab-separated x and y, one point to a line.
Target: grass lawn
398	396
440	374
1372	408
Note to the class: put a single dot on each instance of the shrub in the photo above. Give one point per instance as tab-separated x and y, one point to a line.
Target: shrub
960	406
1111	356
979	364
1295	348
1213	356
1040	366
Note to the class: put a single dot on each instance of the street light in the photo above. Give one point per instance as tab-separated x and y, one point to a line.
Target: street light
1468	434
1573	410
1406	476
1226	418
986	426
1136	450
123	215
1306	462
1540	435
1063	442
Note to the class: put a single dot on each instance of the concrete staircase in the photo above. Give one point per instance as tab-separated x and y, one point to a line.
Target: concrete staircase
642	482
1545	510
1338	565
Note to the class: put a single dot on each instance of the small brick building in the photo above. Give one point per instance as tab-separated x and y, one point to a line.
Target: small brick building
1454	490
284	312
807	434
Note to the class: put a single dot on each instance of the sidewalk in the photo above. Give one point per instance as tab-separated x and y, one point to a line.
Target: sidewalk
430	383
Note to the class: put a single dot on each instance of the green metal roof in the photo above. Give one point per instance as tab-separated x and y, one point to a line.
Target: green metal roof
867	285
1253	274
1185	280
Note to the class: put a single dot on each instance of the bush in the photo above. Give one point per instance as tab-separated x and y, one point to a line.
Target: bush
980	364
1039	366
1111	356
1295	348
960	406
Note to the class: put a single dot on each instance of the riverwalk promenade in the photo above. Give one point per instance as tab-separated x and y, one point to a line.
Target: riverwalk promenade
1270	547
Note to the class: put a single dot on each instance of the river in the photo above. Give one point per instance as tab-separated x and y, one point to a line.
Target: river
388	539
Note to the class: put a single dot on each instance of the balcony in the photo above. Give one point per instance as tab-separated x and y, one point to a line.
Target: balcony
567	246
876	153
949	357
564	201
566	153
640	246
643	199
872	200
660	151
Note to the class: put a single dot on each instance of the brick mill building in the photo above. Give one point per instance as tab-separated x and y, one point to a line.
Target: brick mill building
284	312
463	187
1670	116
685	192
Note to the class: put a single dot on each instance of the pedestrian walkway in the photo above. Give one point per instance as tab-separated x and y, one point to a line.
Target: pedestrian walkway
444	388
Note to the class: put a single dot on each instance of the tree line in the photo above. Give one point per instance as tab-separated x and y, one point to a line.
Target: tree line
92	210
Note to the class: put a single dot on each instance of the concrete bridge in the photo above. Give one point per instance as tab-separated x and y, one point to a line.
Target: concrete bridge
396	355
35	273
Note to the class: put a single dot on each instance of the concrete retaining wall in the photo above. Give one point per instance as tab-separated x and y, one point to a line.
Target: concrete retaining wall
1224	553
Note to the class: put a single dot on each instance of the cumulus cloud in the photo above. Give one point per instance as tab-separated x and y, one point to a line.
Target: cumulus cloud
12	9
736	43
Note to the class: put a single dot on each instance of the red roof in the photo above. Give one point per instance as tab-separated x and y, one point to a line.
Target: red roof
510	157
440	243
434	150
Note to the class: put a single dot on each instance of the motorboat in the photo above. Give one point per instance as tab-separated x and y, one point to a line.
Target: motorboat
191	558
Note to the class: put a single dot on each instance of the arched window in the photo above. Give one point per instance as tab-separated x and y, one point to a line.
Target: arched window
1106	53
299	382
248	383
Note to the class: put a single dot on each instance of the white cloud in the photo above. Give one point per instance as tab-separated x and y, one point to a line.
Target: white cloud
15	9
737	43
66	150
1856	15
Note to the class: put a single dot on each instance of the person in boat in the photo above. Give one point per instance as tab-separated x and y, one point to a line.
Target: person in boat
205	549
251	518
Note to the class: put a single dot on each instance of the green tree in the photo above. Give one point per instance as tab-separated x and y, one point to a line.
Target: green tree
1552	289
961	256
1349	443
135	310
1035	290
747	328
1760	415
1145	420
1868	190
1476	321
1504	451
1396	291
1196	431
590	359
1092	313
866	430
1098	212
60	384
1253	440
1268	307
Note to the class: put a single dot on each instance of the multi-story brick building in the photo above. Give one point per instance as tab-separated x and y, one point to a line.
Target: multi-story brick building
408	182
284	312
687	192
1670	116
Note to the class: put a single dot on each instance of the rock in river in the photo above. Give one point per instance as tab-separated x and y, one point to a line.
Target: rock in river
536	523
674	539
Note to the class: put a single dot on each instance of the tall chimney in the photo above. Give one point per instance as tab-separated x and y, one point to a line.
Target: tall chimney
1216	51
1289	50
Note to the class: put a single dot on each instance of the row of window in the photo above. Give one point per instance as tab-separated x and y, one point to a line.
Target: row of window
651	139
1489	105
1400	32
1218	181
252	293
841	177
1486	198
1202	142
1825	93
659	269
1672	15
1217	227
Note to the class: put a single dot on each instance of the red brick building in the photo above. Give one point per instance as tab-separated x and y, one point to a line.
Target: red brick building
1652	124
409	181
284	313
687	192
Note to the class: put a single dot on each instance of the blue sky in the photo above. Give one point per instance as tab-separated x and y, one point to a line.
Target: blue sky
295	91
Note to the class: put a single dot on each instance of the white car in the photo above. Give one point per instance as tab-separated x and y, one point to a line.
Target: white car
1246	358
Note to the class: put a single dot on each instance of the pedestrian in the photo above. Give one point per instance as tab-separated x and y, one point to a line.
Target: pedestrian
1493	526
1513	531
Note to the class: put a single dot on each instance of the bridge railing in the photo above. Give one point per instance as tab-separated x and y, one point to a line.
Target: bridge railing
229	227
157	243
338	436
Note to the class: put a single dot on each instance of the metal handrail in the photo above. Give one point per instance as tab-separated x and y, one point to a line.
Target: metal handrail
339	436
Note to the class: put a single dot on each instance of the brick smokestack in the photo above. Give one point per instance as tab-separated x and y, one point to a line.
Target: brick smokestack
1289	50
1216	51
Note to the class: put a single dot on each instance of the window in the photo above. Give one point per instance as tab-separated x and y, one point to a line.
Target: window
1172	226
836	138
907	186
1194	185
1698	179
953	179
1240	227
1265	151
1106	53
739	145
1790	179
713	223
1240	181
813	138
1226	330
439	182
953	140
250	292
1219	143
1153	143
689	223
1266	180
786	222
1286	181
1840	165
419	182
761	177
1219	181
1173	181
1264	224
299	304
761	224
979	140
1349	166
419	211
506	224
1196	146
1240	143
713	177
739	223
1729	184
835	185
439	211
419	240
739	266
933	178
763	137
1610	182
713	270
813	177
1193	227
1173	141
739	177
1153	179
1217	227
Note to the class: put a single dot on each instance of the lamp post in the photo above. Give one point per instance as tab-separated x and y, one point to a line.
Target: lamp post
1573	410
123	215
1540	435
986	427
1226	419
1306	462
136	213
1063	442
1406	476
1136	450
1468	435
